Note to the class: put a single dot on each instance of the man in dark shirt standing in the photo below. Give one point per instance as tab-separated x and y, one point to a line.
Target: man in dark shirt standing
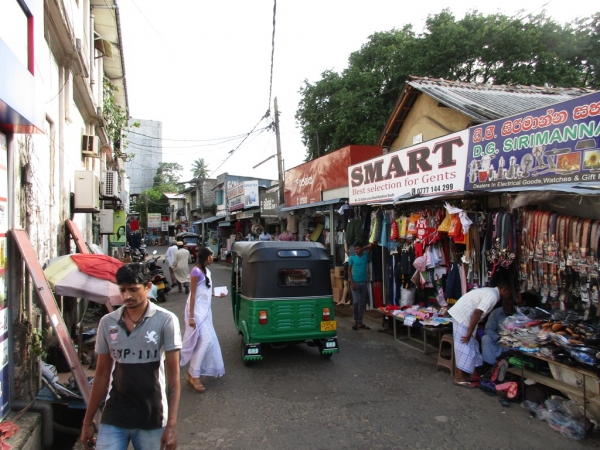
357	277
134	344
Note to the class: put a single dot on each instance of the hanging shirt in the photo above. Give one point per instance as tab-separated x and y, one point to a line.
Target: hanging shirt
292	223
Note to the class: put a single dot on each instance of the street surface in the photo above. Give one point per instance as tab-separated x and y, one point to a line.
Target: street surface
374	394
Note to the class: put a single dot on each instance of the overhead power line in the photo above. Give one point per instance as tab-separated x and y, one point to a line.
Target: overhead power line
221	140
246	137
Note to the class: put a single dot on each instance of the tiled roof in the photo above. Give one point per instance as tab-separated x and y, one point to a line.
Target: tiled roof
483	102
480	102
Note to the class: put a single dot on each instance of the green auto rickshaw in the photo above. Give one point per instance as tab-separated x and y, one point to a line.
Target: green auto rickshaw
281	294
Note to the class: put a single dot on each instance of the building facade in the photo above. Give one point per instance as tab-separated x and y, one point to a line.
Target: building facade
145	143
56	58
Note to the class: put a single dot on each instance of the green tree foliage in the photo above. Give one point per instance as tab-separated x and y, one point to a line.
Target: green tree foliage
351	107
168	174
199	169
116	120
152	201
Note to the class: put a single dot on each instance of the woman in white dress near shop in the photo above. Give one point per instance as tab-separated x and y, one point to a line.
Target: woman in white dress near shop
200	344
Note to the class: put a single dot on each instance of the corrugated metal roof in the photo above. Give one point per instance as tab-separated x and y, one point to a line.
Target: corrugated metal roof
483	102
480	102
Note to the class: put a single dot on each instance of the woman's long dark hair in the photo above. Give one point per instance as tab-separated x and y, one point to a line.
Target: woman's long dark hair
203	255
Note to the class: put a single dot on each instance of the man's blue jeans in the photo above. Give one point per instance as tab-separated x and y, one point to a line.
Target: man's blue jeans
117	438
359	300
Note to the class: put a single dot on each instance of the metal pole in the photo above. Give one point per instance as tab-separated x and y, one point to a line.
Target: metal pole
279	162
202	208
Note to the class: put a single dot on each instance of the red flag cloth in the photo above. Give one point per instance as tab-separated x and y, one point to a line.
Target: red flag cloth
134	225
99	266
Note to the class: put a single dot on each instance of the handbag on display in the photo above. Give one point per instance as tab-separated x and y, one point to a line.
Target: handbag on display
455	226
394	234
412	224
445	225
402	227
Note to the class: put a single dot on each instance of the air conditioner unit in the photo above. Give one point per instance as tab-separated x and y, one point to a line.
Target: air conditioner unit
89	145
110	186
106	221
86	186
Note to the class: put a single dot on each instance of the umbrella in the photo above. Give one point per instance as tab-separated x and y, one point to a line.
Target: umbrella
91	277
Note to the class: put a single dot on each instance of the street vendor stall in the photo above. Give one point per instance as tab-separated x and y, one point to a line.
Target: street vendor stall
509	200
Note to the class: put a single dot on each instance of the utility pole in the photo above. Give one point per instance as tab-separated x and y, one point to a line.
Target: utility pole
279	161
202	207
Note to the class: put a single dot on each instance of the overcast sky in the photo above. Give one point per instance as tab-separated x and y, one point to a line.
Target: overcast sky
203	67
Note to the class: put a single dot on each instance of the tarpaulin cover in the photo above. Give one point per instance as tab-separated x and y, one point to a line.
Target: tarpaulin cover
100	266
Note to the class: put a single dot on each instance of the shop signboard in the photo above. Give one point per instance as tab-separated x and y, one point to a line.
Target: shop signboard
246	214
165	225
154	220
434	167
268	203
555	144
243	195
235	197
118	238
251	193
305	183
5	336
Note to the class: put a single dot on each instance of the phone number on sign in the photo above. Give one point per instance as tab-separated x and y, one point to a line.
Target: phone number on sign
432	189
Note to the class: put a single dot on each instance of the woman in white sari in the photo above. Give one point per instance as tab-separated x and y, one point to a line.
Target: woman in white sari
200	344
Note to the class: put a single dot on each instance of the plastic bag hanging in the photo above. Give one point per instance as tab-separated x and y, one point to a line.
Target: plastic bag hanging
464	218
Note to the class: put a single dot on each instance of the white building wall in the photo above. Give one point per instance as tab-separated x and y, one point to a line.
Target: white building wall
146	143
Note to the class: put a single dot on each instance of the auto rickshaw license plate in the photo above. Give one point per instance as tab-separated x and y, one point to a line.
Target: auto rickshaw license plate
330	325
160	286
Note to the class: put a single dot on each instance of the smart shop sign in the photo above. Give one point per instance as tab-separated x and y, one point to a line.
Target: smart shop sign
429	168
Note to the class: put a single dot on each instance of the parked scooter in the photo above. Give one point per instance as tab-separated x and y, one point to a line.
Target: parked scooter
158	277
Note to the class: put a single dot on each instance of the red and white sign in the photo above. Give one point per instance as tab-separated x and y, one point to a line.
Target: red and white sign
305	183
429	168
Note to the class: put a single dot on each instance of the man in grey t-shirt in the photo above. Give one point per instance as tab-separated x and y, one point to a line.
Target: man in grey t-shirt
135	344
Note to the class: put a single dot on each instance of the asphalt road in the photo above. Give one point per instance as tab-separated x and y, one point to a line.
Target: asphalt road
375	394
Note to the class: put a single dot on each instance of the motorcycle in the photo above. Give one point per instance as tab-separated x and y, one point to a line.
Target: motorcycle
158	278
143	251
136	256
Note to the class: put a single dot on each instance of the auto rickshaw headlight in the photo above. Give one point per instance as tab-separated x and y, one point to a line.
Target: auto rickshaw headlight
262	317
326	314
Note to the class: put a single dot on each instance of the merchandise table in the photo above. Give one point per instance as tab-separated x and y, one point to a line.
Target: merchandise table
440	330
575	382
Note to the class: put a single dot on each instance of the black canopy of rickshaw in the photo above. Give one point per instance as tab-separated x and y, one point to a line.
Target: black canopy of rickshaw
262	262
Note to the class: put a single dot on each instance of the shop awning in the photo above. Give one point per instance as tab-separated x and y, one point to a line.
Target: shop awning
314	205
209	220
247	211
425	198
